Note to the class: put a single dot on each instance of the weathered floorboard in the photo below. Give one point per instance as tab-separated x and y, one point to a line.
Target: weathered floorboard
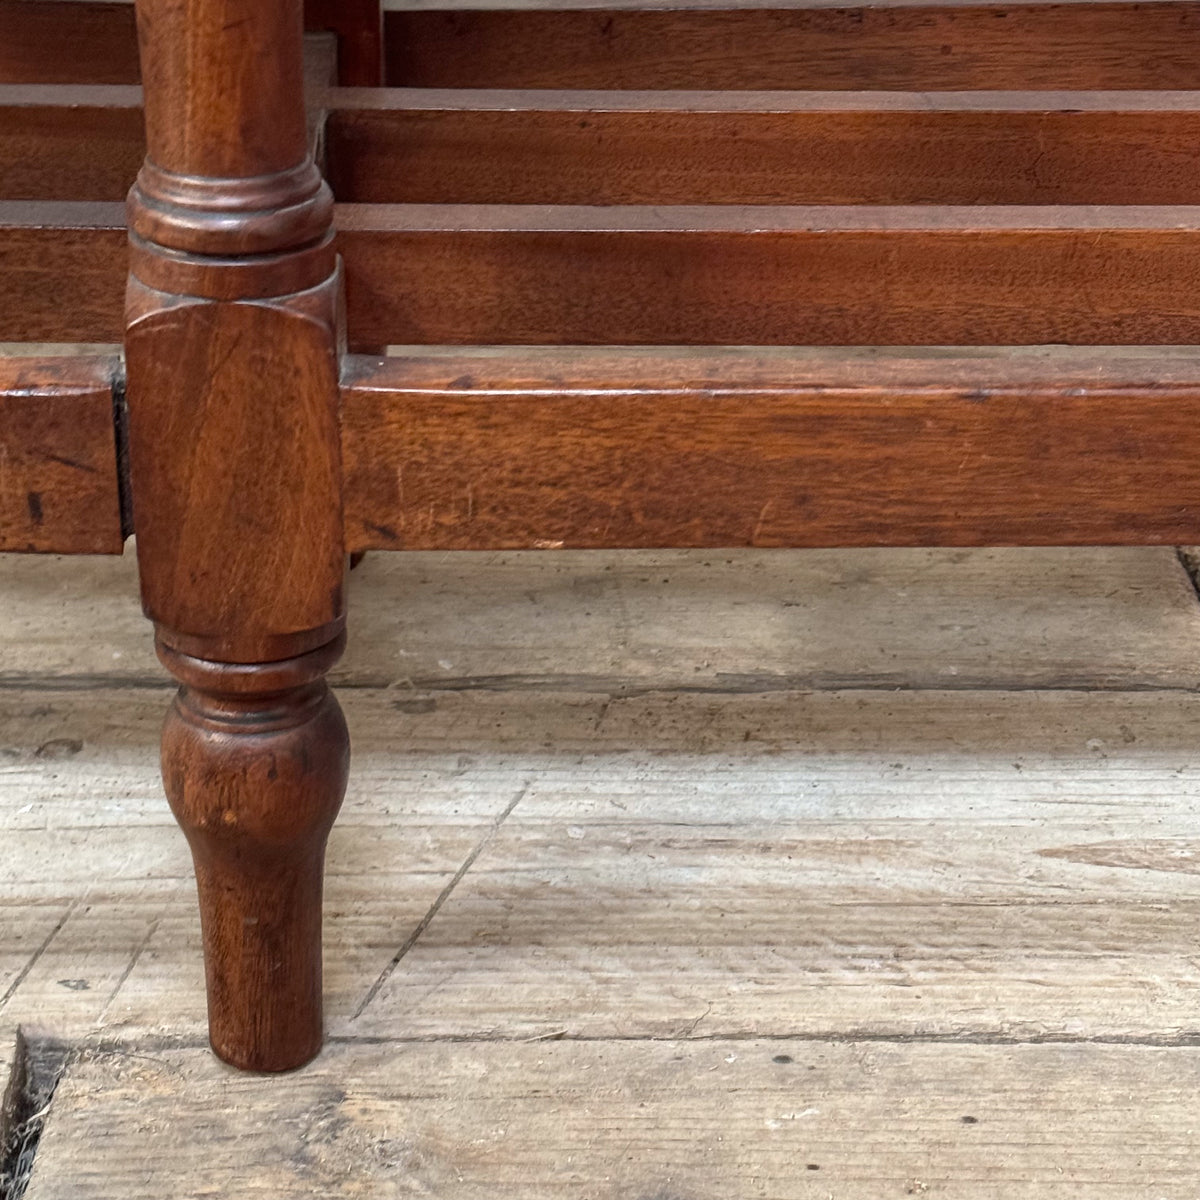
780	1119
1014	865
619	622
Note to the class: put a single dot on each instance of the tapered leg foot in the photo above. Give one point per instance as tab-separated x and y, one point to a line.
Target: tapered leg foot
254	760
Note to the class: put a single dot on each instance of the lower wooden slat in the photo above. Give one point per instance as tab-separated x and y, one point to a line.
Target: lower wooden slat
555	448
714	275
59	490
800	44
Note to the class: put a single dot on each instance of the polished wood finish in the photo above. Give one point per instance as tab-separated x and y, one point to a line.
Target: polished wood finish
231	347
567	147
358	25
587	449
67	41
95	41
770	275
59	487
921	275
69	143
255	760
62	266
887	47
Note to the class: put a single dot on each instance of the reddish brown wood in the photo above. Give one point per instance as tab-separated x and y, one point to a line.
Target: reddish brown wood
559	147
891	47
771	276
554	147
358	25
521	449
62	267
255	761
69	143
95	41
59	490
466	274
53	41
231	350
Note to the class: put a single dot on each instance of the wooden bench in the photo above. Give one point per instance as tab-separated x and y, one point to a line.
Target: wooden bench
646	262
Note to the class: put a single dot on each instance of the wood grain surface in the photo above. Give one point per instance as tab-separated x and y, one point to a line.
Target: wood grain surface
779	1119
890	47
568	147
563	147
602	448
618	622
69	143
59	488
970	869
860	275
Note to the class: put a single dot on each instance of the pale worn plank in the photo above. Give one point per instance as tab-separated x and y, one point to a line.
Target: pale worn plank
776	1119
730	620
1016	864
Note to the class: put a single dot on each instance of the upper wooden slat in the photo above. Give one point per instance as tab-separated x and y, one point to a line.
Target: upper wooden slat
566	147
948	46
486	449
964	44
718	275
95	41
58	456
67	41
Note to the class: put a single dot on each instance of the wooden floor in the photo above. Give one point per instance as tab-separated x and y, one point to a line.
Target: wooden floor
662	876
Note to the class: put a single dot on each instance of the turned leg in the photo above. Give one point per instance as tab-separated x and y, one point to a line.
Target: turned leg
232	352
254	762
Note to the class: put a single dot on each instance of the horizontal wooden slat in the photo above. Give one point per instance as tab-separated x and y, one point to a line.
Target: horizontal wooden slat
67	41
69	142
771	276
954	46
467	274
95	41
63	269
555	147
567	147
58	457
604	448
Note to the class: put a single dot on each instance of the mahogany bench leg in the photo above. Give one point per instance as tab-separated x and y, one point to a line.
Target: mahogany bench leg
254	763
233	332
